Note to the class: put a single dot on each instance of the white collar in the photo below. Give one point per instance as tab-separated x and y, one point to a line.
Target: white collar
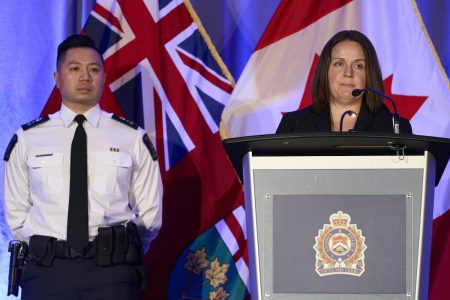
92	115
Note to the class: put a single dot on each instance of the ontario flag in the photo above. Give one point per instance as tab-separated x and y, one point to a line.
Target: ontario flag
162	75
278	75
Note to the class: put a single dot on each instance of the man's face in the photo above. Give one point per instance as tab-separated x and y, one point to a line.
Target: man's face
80	78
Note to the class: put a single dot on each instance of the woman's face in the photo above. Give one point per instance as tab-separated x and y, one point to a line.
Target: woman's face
347	72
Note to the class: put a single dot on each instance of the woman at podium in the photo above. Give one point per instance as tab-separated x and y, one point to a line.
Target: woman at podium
347	91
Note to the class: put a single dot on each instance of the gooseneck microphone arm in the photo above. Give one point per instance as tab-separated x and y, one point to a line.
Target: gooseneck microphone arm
395	117
351	113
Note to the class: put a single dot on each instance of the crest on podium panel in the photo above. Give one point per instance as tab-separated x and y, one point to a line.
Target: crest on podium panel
340	247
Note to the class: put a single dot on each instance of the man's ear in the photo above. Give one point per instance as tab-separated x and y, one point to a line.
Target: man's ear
56	77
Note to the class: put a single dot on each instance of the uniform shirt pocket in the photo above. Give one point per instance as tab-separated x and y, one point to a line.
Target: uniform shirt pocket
112	173
46	172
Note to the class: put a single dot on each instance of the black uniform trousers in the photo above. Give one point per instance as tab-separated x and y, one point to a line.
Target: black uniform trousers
79	279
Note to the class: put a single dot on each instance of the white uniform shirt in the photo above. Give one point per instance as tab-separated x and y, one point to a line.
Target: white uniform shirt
124	182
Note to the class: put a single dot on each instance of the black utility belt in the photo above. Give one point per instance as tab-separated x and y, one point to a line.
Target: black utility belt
114	245
63	250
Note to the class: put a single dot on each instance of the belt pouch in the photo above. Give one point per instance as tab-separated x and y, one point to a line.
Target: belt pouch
42	249
120	244
134	253
104	246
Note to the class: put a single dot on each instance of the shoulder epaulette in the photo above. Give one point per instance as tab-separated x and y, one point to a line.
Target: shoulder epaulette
36	122
148	143
10	147
125	121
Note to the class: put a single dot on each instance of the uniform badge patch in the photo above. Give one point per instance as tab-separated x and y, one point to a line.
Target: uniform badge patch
340	247
10	147
148	143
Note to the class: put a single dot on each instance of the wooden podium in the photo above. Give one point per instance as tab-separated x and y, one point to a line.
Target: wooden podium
339	215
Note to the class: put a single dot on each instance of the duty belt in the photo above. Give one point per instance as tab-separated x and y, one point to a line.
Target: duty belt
62	250
119	244
116	245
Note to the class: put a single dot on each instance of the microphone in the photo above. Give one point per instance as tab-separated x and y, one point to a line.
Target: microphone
351	113
395	117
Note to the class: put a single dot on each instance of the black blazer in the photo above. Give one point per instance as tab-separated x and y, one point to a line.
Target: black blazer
308	120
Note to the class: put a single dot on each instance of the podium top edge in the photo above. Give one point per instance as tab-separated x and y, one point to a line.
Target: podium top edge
337	143
339	135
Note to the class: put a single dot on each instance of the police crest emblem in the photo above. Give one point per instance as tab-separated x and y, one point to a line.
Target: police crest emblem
340	247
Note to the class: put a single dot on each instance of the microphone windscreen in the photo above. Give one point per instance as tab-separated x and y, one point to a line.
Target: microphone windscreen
356	92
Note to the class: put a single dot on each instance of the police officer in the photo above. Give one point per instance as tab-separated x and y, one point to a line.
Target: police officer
45	189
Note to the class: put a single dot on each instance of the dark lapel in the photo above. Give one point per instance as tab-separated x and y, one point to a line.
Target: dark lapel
322	120
364	119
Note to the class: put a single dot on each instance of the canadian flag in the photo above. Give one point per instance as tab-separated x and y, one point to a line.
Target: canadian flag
278	74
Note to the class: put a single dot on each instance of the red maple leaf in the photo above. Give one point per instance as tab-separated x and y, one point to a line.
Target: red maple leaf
407	106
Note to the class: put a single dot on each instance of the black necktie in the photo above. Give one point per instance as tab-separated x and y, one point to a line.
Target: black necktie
77	221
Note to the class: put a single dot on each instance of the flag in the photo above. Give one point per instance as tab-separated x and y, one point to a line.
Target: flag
215	265
436	21
277	78
162	75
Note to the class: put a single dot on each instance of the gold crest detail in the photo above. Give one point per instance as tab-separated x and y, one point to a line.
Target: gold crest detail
340	247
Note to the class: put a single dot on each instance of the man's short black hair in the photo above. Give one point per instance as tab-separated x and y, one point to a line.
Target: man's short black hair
75	41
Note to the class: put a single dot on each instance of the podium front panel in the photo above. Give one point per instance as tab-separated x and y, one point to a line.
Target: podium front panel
314	215
380	228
